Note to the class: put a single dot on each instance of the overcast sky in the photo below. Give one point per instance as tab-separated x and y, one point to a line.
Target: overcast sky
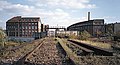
60	12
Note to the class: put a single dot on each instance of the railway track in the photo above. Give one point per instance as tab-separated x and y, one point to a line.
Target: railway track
22	60
11	56
48	52
92	49
86	59
79	50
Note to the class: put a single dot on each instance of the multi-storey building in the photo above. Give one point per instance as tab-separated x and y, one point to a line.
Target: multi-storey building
94	27
23	26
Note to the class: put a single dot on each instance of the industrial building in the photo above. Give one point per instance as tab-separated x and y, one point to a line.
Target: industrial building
95	27
92	26
112	28
24	27
109	28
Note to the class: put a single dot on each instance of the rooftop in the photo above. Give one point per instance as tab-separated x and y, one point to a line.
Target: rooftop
24	19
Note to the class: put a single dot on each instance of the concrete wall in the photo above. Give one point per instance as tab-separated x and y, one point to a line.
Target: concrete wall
39	35
23	39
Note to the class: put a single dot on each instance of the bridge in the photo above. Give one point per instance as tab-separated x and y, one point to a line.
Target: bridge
56	27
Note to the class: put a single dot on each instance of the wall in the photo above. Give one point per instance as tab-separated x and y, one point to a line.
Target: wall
23	39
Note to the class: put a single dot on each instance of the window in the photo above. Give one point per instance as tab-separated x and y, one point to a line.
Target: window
26	23
23	31
32	23
29	23
20	27
29	27
35	23
23	27
26	31
32	31
35	27
26	27
32	27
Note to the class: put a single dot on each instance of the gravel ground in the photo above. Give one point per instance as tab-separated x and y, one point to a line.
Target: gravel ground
46	55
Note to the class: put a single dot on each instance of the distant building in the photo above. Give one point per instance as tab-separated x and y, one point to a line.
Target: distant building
117	28
112	29
23	26
51	33
44	28
109	29
94	27
68	33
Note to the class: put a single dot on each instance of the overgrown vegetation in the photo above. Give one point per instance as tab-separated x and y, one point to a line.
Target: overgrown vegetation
15	53
84	35
91	59
97	44
2	38
73	36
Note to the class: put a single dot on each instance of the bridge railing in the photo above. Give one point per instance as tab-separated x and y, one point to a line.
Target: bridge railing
56	27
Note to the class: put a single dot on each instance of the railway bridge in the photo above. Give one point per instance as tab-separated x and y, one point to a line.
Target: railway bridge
56	28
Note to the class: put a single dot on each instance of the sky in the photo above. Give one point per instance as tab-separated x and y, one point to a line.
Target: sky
60	12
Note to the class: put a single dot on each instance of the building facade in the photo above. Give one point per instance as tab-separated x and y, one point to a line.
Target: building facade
68	33
112	29
23	26
117	29
109	29
94	27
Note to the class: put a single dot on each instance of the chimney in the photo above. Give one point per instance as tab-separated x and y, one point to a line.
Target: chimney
88	16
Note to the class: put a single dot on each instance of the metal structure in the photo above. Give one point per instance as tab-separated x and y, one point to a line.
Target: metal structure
57	28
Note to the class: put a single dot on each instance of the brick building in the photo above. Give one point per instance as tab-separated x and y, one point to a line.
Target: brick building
23	26
94	27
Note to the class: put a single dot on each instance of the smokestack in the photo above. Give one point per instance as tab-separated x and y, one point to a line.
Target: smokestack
88	16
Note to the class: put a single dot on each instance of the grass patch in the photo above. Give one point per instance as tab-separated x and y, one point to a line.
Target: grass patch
97	44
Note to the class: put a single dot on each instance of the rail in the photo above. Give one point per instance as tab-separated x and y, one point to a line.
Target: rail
97	50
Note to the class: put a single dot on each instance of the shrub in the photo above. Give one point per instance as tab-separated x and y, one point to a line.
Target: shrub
84	35
72	36
2	37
